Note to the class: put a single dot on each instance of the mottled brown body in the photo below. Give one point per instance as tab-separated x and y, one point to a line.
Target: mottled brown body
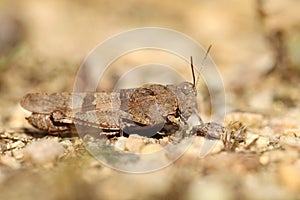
148	106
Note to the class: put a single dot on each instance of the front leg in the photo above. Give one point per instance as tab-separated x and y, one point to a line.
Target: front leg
185	125
179	125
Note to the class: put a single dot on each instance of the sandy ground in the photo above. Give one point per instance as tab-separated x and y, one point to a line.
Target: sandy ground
255	45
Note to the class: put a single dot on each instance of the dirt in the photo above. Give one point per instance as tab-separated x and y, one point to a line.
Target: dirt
255	45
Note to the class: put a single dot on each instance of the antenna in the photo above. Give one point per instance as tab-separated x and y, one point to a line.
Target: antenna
202	64
193	72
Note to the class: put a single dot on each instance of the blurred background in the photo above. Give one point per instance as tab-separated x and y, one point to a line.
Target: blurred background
43	43
255	44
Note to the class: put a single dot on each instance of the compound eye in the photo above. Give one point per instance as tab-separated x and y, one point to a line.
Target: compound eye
187	88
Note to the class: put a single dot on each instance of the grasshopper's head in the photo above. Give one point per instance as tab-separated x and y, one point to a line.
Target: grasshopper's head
187	99
187	96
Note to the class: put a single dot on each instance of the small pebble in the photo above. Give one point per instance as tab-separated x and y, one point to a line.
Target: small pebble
291	132
264	159
290	141
262	143
150	148
121	143
43	151
17	144
10	162
134	143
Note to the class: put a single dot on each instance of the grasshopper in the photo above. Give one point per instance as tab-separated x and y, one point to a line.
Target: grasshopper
145	110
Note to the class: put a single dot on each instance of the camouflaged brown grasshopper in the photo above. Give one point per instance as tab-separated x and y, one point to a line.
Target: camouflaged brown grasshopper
145	110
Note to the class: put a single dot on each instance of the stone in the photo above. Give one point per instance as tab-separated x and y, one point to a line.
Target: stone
44	151
151	148
10	161
134	143
120	144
